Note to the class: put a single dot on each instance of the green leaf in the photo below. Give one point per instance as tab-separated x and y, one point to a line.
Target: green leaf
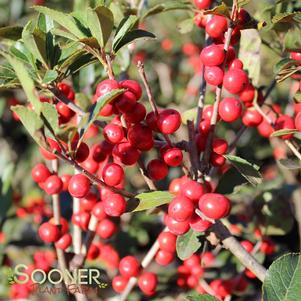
186	26
100	22
149	200
86	122
26	82
126	25
31	121
283	132
292	39
203	297
132	36
50	76
242	3
66	21
249	53
64	34
283	279
45	23
7	177
248	170
221	10
50	115
166	6
285	17
187	244
285	64
290	163
11	32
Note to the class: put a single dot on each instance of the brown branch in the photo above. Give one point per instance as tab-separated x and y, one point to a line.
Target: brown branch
192	149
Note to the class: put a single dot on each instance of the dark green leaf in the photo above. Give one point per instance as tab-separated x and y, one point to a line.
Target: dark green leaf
248	170
132	36
66	21
290	163
100	22
203	297
50	76
283	132
187	244
149	200
26	82
11	32
283	279
64	34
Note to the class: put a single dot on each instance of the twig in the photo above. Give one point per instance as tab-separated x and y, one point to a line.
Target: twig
92	177
193	151
110	71
151	185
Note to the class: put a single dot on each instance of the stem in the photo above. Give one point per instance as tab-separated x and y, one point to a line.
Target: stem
77	232
151	185
231	243
92	177
193	151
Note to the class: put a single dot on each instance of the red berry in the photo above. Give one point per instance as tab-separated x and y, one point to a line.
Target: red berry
125	102
235	80
64	111
192	190
126	153
247	94
82	152
247	245
180	209
106	228
175	186
79	186
164	257
93	252
151	121
141	137
212	55
137	113
169	120
113	133
230	109
217	160
177	228
88	202
112	174
251	118
129	266
64	242
265	129
40	173
147	282
167	241
119	283
173	157
49	232
202	4
219	146
236	64
220	288
285	122
101	151
114	205
214	205
198	224
132	86
298	121
217	26
53	185
214	75
98	211
106	86
157	169
243	17
267	247
90	165
296	56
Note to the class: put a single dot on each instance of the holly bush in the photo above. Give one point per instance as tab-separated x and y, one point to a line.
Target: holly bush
154	143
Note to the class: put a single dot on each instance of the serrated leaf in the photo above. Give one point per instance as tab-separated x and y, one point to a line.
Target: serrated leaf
31	121
187	244
186	26
100	22
282	281
11	32
166	6
149	200
246	169
126	25
290	163
51	116
132	36
221	10
66	21
203	297
86	122
26	82
249	53
283	132
50	76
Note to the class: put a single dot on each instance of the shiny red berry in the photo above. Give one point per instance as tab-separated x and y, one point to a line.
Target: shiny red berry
88	202
114	205
217	26
147	282
40	173
125	102
180	209
129	266
112	174
119	283
214	75
53	185
173	157
113	133
126	153
169	120
49	232
202	4
285	122
251	118
64	242
106	86
230	109
137	113
214	205
219	146
164	257
98	211
177	228
192	190
167	241
79	186
235	80
141	137
157	169
212	55
132	86
106	228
